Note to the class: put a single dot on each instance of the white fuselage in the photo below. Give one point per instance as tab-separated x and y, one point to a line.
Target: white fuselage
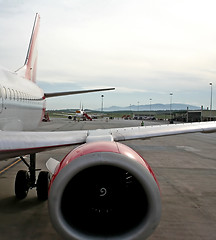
22	102
79	114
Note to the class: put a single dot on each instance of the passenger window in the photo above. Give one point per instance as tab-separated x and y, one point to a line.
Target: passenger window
20	96
5	92
9	93
13	94
16	95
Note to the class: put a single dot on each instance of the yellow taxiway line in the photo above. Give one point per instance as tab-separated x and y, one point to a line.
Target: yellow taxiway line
11	165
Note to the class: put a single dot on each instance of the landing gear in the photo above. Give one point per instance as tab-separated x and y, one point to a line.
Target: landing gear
26	180
43	185
22	184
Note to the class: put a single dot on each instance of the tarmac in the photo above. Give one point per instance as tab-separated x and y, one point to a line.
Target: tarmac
185	166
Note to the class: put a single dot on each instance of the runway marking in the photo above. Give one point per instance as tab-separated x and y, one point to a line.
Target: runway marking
188	149
11	165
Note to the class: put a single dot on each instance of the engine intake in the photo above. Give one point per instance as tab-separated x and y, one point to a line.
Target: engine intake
104	195
107	201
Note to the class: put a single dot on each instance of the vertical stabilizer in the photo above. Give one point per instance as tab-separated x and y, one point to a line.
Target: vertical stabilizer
29	69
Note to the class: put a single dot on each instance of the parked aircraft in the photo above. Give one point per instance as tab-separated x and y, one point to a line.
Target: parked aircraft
79	114
102	189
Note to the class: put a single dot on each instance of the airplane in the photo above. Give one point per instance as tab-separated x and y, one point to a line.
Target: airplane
78	115
100	190
82	114
22	101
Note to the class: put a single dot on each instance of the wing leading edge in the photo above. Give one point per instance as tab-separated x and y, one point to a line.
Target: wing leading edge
14	144
58	94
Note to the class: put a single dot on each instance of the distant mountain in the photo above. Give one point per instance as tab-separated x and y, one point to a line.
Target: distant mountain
154	107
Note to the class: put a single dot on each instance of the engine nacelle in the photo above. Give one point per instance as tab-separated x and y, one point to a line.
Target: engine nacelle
104	190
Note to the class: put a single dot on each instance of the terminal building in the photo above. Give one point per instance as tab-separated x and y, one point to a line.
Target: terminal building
181	116
194	115
200	116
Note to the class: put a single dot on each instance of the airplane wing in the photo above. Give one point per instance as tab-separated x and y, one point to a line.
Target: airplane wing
57	94
65	115
14	144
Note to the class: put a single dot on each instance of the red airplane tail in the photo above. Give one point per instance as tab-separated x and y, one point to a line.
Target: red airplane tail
29	69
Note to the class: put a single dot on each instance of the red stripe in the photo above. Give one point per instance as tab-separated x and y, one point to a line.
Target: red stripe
29	63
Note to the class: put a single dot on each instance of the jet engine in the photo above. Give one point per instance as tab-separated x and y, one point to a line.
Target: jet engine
104	190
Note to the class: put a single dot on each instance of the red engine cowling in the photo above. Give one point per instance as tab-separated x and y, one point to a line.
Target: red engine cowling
104	190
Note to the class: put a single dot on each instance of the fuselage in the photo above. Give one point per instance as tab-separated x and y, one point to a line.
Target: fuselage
22	102
79	113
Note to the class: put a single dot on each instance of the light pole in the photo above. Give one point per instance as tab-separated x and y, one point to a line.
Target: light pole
171	94
102	96
150	103
210	101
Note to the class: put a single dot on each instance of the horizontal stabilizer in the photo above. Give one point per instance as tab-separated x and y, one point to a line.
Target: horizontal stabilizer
57	94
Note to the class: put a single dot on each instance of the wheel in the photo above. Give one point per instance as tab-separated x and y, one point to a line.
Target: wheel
43	185
21	184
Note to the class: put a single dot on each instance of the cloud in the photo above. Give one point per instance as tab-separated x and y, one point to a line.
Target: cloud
150	47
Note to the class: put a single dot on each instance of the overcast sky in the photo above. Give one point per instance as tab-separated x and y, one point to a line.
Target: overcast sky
146	49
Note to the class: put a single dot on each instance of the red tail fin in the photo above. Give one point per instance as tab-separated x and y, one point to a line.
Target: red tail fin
30	66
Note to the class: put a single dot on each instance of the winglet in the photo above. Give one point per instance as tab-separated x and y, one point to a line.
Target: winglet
29	69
